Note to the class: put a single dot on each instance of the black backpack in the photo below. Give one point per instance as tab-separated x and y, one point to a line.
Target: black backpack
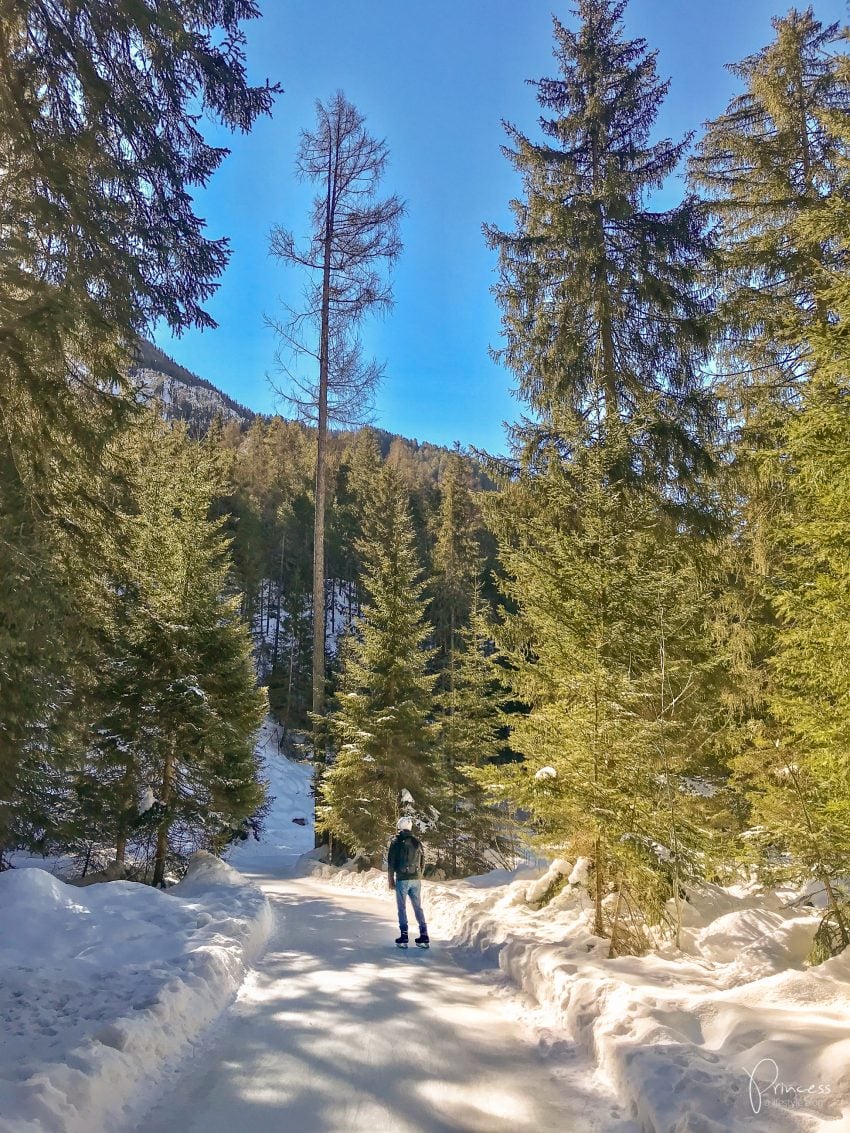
406	855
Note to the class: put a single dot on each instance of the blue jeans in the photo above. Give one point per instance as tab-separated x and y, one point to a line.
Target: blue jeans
413	890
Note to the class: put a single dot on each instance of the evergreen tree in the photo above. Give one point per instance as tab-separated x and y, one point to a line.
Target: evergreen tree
606	644
775	170
811	666
766	167
607	331
470	831
763	165
456	561
98	240
360	468
798	773
380	724
34	657
101	145
180	703
474	832
50	609
599	291
796	767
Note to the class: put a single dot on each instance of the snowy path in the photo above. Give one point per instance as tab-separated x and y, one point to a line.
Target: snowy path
338	1030
104	990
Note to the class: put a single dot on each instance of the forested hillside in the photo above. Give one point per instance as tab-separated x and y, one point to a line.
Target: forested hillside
269	509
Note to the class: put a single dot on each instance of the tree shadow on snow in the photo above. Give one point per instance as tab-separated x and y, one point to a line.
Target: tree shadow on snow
337	1030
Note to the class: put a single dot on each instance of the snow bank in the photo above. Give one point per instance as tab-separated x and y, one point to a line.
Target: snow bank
731	1033
101	985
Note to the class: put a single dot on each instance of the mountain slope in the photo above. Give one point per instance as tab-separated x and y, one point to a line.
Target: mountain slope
183	395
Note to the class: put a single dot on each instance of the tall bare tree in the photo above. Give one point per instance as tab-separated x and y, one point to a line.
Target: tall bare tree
354	239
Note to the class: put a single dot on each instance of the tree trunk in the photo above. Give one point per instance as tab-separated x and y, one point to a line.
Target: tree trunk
279	603
287	717
162	831
598	921
821	870
321	446
126	802
453	768
608	375
615	927
319	522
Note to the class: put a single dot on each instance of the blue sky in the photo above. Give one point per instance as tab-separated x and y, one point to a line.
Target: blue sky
434	80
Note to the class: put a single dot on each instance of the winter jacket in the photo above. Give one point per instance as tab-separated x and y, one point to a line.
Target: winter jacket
405	858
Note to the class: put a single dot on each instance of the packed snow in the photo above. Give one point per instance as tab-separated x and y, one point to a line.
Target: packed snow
100	985
128	1008
732	1034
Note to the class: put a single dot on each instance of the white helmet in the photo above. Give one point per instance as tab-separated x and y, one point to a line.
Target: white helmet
404	823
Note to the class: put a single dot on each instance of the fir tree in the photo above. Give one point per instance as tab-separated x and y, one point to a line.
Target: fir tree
474	832
605	643
98	240
380	724
598	291
180	700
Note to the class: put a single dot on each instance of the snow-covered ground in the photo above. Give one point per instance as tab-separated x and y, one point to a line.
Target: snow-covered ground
125	1008
731	1035
101	985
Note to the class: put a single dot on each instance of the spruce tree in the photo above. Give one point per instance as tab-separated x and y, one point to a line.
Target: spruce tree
766	167
811	665
605	644
474	832
456	561
179	695
774	168
51	603
381	725
99	239
762	166
798	776
796	768
359	470
607	329
470	832
598	290
36	616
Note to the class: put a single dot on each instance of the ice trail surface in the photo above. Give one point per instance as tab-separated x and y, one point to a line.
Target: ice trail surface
338	1030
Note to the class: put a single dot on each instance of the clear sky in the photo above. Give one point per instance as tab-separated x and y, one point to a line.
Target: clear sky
434	79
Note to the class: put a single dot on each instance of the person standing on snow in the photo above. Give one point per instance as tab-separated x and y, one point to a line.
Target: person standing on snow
405	862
